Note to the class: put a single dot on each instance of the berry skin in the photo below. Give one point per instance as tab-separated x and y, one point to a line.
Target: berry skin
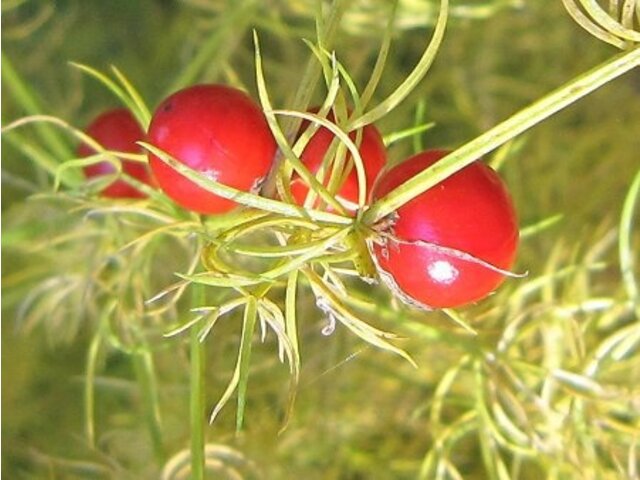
218	131
119	131
470	214
372	151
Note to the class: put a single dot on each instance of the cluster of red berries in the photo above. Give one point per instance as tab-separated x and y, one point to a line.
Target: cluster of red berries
447	247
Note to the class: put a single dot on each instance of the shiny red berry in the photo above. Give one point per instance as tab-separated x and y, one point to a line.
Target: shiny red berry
218	131
371	150
117	130
450	245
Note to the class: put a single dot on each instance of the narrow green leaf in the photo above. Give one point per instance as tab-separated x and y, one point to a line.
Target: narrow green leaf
31	104
418	142
244	198
332	304
273	316
41	158
412	80
326	35
234	219
413	132
579	384
457	318
248	327
278	251
183	327
381	59
585	22
345	139
131	102
540	226
291	321
62	174
228	280
242	365
611	25
291	329
301	260
282	140
212	319
142	111
443	388
267	222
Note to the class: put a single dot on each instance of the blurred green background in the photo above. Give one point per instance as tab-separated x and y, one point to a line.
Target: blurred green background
360	413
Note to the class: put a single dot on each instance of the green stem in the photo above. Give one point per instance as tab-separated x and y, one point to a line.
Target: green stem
144	370
502	133
196	403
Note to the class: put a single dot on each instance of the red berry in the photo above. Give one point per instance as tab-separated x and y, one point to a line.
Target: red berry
119	131
371	150
218	131
470	214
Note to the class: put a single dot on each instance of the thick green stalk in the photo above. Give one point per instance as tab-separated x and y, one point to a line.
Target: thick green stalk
502	133
196	401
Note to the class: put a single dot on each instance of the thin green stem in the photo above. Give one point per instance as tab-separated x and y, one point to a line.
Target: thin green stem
419	120
145	374
503	132
381	60
196	403
412	80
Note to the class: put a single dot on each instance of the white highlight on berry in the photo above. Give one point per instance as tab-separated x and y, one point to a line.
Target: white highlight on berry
443	272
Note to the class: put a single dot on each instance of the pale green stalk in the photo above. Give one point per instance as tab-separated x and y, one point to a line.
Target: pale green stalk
503	132
196	400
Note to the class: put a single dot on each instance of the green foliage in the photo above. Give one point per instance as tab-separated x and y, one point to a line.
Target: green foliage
165	307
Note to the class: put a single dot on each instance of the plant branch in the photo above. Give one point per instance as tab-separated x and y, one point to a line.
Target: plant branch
503	132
